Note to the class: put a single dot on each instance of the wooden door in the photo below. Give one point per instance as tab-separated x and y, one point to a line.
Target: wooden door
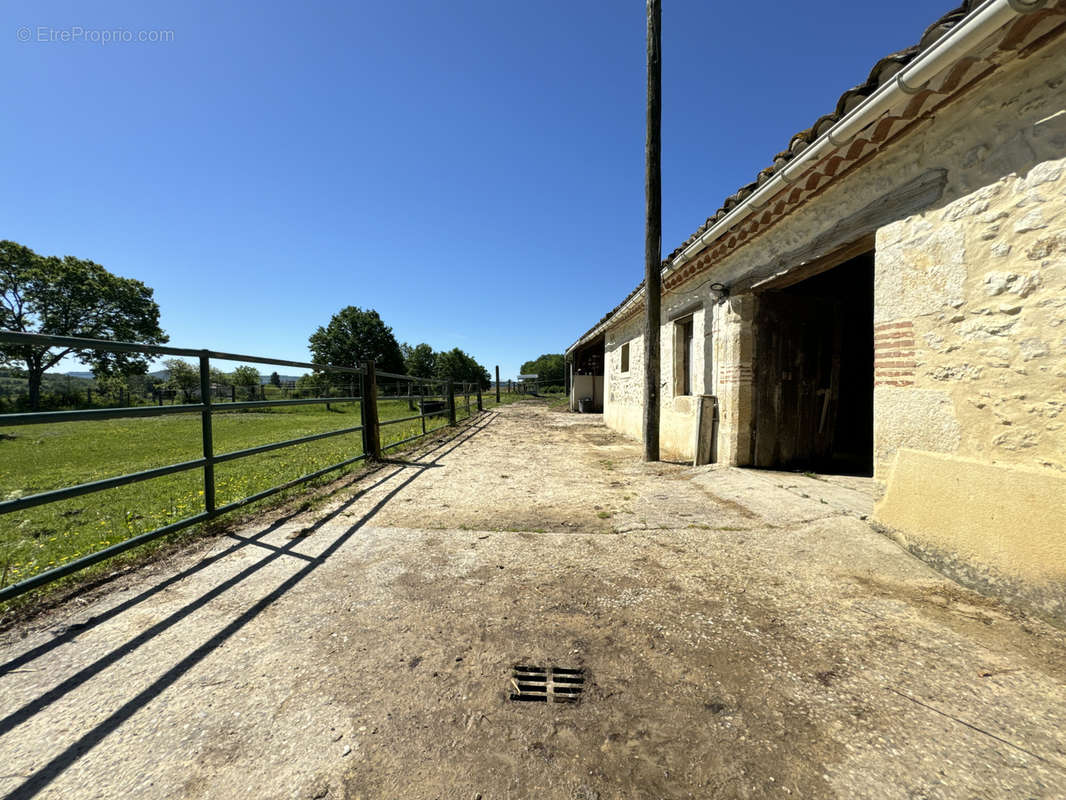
797	379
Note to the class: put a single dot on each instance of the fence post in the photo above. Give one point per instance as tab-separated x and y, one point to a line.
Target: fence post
497	384
451	402
205	429
480	405
369	405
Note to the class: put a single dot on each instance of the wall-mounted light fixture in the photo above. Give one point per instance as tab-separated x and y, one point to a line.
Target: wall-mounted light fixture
721	289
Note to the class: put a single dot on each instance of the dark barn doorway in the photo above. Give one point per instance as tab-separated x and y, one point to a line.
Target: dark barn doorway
814	368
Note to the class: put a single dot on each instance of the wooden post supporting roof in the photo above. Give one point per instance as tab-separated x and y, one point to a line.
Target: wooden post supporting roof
652	234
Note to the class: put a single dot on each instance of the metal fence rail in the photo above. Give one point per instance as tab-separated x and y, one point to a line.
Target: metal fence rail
424	392
370	428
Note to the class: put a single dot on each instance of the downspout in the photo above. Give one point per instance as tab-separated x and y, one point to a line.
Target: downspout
973	30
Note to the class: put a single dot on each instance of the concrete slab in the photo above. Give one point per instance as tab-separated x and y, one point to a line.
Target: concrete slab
788	497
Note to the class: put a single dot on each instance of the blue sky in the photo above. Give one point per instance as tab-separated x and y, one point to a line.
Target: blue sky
472	170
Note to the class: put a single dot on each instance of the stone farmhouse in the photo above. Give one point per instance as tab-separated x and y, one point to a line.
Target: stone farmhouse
888	298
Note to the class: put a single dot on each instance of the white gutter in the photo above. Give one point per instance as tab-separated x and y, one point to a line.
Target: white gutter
979	25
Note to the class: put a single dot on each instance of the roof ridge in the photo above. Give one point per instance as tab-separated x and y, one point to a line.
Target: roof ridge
882	71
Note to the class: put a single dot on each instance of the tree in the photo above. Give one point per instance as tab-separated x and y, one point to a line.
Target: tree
275	379
113	386
126	387
182	375
421	361
314	384
247	377
455	365
353	337
549	368
72	297
142	384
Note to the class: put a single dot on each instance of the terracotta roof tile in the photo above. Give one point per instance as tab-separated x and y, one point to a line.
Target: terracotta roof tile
882	71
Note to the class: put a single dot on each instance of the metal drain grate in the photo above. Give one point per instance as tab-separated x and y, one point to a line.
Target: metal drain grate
540	685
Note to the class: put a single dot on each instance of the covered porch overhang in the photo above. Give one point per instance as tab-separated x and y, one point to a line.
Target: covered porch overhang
585	374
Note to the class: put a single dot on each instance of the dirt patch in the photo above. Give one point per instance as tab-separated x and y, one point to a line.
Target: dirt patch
999	627
731	505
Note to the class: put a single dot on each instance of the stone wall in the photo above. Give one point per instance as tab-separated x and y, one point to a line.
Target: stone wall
733	349
970	319
625	388
625	391
970	360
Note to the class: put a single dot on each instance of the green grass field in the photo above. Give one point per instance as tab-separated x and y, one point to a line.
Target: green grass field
37	458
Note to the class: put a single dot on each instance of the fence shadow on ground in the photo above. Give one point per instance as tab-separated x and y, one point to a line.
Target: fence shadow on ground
404	463
40	778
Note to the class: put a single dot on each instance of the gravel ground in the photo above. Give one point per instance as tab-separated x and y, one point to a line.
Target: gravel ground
745	634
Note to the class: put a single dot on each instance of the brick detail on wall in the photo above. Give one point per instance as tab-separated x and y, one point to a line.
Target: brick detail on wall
734	373
894	354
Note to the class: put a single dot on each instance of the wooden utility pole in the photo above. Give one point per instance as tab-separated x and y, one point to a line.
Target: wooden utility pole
653	233
497	384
